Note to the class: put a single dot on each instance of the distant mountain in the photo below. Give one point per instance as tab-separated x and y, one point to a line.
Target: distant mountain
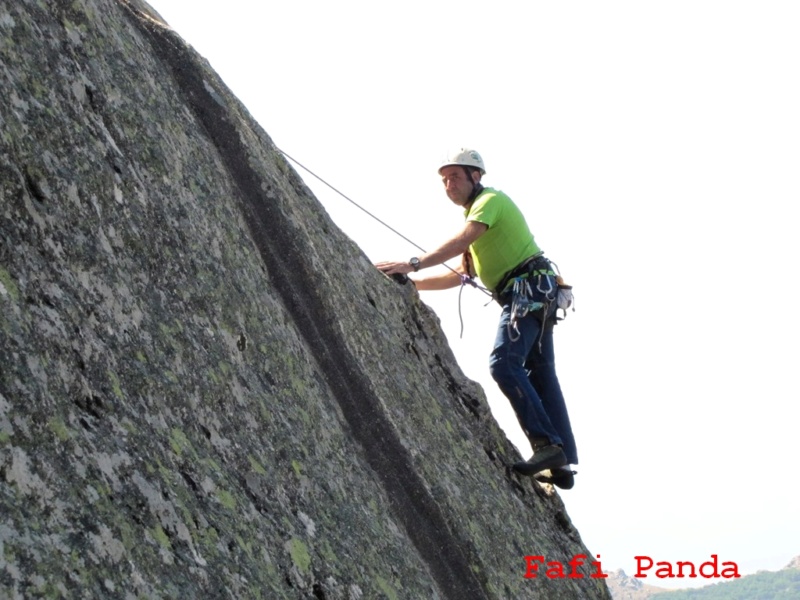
764	585
624	587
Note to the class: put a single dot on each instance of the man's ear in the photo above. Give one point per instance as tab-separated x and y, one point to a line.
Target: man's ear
476	176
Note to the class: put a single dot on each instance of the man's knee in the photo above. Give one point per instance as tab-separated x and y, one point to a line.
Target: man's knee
502	367
497	367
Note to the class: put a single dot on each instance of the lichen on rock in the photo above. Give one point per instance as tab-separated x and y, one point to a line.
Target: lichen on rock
195	391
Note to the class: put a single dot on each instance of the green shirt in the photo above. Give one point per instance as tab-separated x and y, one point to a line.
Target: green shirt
506	243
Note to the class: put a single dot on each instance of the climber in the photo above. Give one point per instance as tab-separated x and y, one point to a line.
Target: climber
497	246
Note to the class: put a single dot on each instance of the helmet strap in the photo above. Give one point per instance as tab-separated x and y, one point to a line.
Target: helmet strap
477	188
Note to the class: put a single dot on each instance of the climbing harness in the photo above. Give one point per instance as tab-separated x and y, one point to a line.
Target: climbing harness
518	288
523	302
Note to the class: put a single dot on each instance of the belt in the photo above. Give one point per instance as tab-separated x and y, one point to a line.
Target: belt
526	266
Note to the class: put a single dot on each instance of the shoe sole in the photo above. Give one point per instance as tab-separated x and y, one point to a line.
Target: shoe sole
561	479
532	467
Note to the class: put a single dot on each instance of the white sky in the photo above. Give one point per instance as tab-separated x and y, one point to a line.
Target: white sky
655	149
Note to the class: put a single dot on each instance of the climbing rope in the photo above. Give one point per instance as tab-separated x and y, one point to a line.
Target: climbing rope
351	201
465	279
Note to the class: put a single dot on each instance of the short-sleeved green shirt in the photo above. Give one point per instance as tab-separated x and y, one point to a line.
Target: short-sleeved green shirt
506	243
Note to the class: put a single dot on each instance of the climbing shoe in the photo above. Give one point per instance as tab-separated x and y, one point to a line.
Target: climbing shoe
561	477
549	457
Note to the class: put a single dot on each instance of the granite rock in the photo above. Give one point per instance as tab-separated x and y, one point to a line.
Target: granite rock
206	389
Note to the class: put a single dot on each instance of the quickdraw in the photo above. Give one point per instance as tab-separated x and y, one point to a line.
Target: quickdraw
523	303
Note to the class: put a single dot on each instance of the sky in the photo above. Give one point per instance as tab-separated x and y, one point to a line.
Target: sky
655	151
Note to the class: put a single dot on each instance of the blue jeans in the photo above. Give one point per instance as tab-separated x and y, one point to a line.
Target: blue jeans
525	371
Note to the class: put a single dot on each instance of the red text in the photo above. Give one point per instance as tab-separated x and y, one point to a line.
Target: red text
554	569
710	569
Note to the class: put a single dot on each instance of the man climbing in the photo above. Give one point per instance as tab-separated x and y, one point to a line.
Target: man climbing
497	246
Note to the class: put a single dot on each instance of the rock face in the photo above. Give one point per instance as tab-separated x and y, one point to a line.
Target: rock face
206	390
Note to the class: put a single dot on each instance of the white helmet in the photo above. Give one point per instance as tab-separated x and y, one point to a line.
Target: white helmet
466	158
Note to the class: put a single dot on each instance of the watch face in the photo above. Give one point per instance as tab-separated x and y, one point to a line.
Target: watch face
414	262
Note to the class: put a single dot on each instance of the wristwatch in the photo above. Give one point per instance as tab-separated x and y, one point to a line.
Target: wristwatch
414	262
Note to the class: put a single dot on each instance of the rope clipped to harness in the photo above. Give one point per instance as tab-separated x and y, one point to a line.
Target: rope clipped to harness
467	280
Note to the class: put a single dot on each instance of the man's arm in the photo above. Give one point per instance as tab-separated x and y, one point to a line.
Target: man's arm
444	281
453	247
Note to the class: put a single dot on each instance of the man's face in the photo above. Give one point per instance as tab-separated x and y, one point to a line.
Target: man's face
457	184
